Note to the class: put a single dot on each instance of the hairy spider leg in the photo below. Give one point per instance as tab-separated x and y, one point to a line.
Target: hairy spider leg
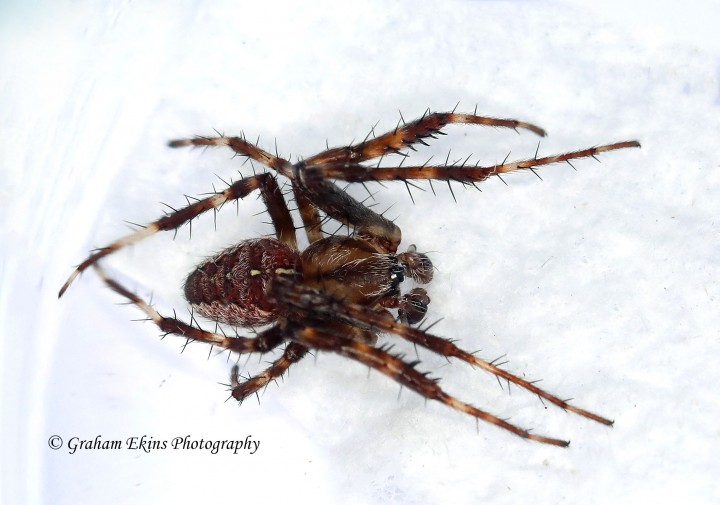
267	340
325	195
369	225
241	147
308	213
264	342
364	317
324	322
395	367
265	182
392	142
382	322
242	389
353	172
335	202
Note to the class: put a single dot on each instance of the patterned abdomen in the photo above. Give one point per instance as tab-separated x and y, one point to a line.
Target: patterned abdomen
232	286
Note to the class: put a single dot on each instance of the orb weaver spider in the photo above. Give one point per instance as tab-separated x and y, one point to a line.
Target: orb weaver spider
336	295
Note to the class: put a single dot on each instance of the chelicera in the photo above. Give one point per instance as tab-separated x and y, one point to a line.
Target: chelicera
338	293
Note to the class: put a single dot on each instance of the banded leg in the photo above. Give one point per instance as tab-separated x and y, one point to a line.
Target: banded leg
408	134
405	373
293	353
369	225
241	147
312	302
239	189
262	343
352	172
309	214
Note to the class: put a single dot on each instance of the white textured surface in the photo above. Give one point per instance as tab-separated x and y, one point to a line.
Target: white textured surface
602	282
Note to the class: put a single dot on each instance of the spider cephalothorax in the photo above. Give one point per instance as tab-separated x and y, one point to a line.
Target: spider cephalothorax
233	287
336	294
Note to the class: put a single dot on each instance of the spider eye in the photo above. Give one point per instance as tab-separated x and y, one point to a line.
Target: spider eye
397	275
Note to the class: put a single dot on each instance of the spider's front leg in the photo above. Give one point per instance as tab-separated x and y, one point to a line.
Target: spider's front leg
468	174
404	373
367	224
402	137
300	297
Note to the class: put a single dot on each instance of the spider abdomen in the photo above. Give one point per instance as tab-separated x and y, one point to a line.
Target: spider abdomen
232	286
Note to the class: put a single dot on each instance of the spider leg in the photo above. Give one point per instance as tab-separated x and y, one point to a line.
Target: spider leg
370	226
408	134
264	182
262	343
309	214
241	147
403	372
311	302
310	183
293	353
353	172
278	210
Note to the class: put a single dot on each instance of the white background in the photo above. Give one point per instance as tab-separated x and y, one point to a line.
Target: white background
602	282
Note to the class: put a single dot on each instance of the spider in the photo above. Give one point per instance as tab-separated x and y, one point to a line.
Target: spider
336	294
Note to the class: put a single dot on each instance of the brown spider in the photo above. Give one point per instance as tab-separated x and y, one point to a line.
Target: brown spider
333	296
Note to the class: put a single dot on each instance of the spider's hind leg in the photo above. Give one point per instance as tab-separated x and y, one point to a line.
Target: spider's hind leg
264	342
268	187
293	353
